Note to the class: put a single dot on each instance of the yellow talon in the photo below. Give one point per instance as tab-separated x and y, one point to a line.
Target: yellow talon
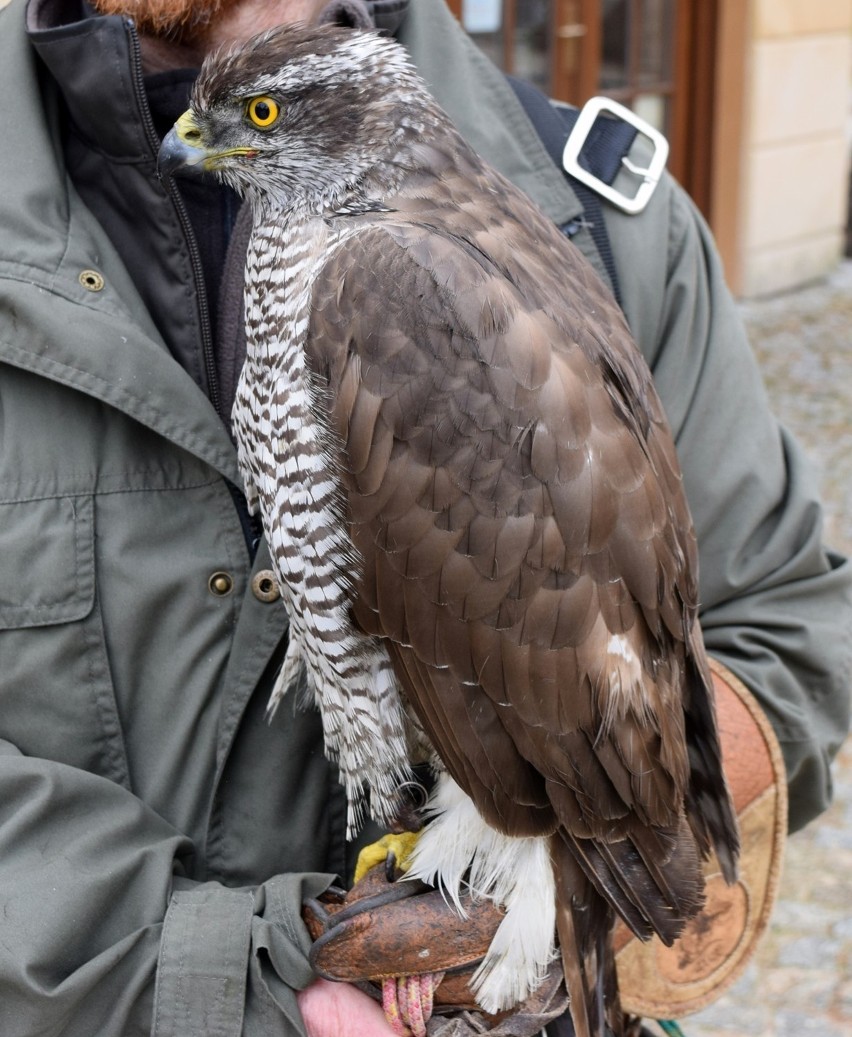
401	846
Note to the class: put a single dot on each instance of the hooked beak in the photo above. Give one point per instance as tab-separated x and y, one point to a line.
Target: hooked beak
182	151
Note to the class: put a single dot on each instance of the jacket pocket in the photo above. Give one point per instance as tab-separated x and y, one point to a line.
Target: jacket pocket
47	561
56	695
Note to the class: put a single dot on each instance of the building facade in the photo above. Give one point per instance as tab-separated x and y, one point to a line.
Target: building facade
754	96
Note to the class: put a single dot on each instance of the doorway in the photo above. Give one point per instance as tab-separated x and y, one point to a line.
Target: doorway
654	56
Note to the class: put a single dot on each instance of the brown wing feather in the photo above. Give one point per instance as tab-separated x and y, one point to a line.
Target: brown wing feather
515	497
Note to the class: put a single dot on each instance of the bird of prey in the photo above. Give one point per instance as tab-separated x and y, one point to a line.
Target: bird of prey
474	508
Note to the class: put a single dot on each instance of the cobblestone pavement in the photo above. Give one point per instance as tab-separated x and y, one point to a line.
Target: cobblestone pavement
800	981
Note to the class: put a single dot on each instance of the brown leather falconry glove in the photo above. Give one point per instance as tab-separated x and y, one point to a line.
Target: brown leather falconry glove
384	928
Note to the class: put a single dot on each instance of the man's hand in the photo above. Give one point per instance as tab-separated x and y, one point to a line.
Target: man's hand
340	1010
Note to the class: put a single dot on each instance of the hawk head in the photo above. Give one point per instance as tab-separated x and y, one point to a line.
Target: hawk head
297	115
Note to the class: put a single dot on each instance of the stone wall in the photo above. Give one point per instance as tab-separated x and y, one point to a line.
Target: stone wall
795	158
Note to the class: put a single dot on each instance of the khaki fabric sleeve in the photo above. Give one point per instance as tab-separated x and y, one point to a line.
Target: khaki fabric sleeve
102	933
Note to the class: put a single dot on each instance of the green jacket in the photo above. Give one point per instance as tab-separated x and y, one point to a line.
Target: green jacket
156	835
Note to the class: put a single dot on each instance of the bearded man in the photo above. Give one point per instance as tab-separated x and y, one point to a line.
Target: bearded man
157	835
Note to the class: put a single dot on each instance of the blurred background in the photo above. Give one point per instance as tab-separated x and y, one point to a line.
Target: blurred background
755	97
800	981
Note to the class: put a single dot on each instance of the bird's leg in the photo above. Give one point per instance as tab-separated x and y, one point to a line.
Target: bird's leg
396	847
459	852
409	801
407	1000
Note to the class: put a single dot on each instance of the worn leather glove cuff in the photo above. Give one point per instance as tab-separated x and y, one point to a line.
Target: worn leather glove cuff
669	982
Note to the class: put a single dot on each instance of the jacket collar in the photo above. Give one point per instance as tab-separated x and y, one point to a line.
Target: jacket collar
388	15
103	342
76	49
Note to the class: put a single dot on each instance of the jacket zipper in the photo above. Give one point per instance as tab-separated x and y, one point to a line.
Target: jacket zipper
207	350
251	525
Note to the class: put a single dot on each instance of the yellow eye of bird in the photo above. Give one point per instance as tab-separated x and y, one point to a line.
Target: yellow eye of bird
263	111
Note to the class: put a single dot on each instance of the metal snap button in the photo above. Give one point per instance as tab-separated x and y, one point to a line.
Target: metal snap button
220	584
91	280
264	586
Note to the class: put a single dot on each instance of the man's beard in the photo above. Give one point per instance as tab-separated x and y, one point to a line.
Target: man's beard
176	19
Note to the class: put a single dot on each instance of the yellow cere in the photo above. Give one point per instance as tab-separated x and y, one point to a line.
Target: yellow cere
187	129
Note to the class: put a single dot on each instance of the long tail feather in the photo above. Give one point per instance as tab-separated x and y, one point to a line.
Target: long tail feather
584	923
652	880
710	808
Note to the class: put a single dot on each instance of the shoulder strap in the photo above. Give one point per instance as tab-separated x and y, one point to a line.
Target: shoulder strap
608	142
